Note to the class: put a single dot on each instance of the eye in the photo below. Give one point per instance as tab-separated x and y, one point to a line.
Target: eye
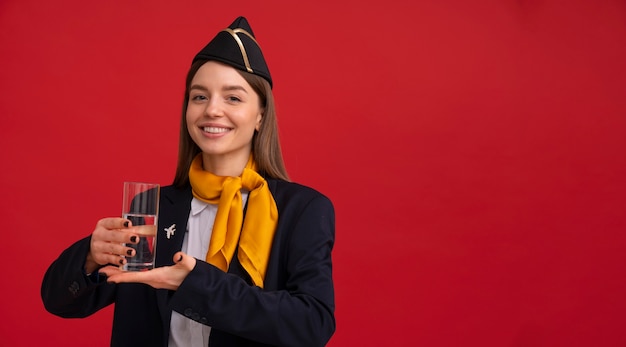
233	98
198	97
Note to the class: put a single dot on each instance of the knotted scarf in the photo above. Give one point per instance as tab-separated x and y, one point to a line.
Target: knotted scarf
256	236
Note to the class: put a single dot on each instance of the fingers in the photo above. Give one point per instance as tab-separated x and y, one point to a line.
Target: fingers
178	257
111	253
115	275
109	240
115	230
114	223
184	260
109	271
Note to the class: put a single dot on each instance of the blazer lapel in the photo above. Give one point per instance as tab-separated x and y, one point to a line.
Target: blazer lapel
173	216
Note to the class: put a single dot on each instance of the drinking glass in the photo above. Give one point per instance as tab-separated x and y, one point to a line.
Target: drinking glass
141	207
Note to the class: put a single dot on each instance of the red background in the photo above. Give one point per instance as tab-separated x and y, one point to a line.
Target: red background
474	150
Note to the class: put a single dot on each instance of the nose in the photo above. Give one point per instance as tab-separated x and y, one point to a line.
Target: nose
214	108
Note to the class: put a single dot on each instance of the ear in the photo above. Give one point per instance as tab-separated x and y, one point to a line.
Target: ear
259	118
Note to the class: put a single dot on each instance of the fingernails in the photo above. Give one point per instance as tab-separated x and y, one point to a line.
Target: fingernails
133	239
121	261
126	224
180	258
129	252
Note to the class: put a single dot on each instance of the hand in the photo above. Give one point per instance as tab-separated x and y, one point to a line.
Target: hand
107	243
166	277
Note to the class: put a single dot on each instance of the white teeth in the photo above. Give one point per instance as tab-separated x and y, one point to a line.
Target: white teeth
214	130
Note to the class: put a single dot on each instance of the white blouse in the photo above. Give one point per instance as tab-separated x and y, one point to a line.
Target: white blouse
185	332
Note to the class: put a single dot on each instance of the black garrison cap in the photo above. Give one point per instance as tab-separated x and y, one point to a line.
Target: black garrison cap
237	47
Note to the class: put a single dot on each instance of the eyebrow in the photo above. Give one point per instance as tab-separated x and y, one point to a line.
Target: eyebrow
225	88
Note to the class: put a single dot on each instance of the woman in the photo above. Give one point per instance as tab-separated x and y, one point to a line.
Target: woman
243	255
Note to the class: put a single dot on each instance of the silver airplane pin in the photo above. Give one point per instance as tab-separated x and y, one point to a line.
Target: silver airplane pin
170	231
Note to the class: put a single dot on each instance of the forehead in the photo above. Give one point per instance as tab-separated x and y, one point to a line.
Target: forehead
215	74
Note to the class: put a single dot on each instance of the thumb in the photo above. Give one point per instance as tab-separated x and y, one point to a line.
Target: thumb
185	260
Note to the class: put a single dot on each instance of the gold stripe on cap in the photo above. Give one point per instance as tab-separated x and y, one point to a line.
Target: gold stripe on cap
234	33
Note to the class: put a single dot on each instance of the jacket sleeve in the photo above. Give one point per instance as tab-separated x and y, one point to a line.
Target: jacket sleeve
68	292
301	314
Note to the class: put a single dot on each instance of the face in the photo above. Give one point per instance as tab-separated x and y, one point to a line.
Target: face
222	114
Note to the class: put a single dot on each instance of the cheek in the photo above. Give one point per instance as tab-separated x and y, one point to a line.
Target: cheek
189	118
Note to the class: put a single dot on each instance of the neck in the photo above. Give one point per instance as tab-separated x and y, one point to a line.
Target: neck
224	166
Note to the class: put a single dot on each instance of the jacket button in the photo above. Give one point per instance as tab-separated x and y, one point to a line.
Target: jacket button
73	288
188	312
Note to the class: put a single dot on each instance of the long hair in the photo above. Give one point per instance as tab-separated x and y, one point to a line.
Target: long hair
265	142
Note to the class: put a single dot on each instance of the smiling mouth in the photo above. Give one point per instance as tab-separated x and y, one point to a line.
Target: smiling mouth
215	130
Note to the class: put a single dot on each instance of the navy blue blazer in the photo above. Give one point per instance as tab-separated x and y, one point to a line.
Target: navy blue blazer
296	307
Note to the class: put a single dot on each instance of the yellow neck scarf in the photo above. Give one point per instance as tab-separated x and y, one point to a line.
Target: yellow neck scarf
256	236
